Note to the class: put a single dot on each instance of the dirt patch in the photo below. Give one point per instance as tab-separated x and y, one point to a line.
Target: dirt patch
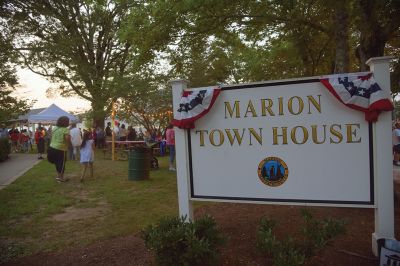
72	213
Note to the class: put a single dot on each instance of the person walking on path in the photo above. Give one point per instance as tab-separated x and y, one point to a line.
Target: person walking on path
170	140
87	154
57	152
76	140
39	140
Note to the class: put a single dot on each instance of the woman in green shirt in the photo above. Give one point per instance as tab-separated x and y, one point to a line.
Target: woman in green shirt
57	153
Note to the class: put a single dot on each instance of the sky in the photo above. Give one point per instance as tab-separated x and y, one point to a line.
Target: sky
33	87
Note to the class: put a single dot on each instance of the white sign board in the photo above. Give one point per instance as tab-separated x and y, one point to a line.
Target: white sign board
287	141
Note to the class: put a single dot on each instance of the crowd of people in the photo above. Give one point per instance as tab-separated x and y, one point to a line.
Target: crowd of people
22	140
67	141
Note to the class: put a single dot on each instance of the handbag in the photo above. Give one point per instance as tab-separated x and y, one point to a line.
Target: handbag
50	155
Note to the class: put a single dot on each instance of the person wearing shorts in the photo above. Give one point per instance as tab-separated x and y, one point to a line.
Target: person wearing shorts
57	152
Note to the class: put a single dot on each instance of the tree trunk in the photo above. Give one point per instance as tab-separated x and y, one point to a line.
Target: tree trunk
99	114
341	37
372	44
372	32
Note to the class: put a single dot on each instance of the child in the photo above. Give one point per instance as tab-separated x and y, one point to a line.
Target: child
87	154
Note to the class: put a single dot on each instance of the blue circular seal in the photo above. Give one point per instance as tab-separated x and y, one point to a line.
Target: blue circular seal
273	171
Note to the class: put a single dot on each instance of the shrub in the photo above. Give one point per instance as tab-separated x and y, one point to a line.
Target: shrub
265	238
286	252
316	234
5	149
176	242
289	252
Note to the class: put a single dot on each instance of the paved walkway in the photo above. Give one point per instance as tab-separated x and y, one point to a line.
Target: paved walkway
15	166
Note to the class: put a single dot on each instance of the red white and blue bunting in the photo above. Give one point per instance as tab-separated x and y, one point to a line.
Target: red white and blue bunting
359	91
195	104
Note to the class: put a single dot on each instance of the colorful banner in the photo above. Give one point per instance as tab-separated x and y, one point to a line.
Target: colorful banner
195	104
359	91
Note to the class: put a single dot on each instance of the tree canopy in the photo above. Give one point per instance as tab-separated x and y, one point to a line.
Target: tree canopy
256	40
77	44
10	106
103	50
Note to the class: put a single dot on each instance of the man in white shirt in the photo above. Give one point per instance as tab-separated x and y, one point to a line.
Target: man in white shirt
116	131
76	140
396	143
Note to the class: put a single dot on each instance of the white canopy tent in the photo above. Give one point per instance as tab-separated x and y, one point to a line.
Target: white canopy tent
50	116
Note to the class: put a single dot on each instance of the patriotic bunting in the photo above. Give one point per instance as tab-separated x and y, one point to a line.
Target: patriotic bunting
194	104
359	91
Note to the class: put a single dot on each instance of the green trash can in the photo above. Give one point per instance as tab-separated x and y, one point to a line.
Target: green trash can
139	164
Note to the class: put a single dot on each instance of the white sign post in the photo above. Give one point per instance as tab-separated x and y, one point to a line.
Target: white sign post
182	164
288	142
384	211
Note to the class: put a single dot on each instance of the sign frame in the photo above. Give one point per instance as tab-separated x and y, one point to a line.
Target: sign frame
333	203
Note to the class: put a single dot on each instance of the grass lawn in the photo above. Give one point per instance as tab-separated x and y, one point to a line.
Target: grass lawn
39	214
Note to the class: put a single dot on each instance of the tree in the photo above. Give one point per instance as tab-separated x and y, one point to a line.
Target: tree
378	22
393	48
77	44
318	35
149	105
10	106
241	30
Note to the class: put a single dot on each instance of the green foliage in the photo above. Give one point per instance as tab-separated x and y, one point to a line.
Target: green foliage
265	238
77	44
315	235
177	242
378	24
286	252
10	106
211	42
5	149
149	106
